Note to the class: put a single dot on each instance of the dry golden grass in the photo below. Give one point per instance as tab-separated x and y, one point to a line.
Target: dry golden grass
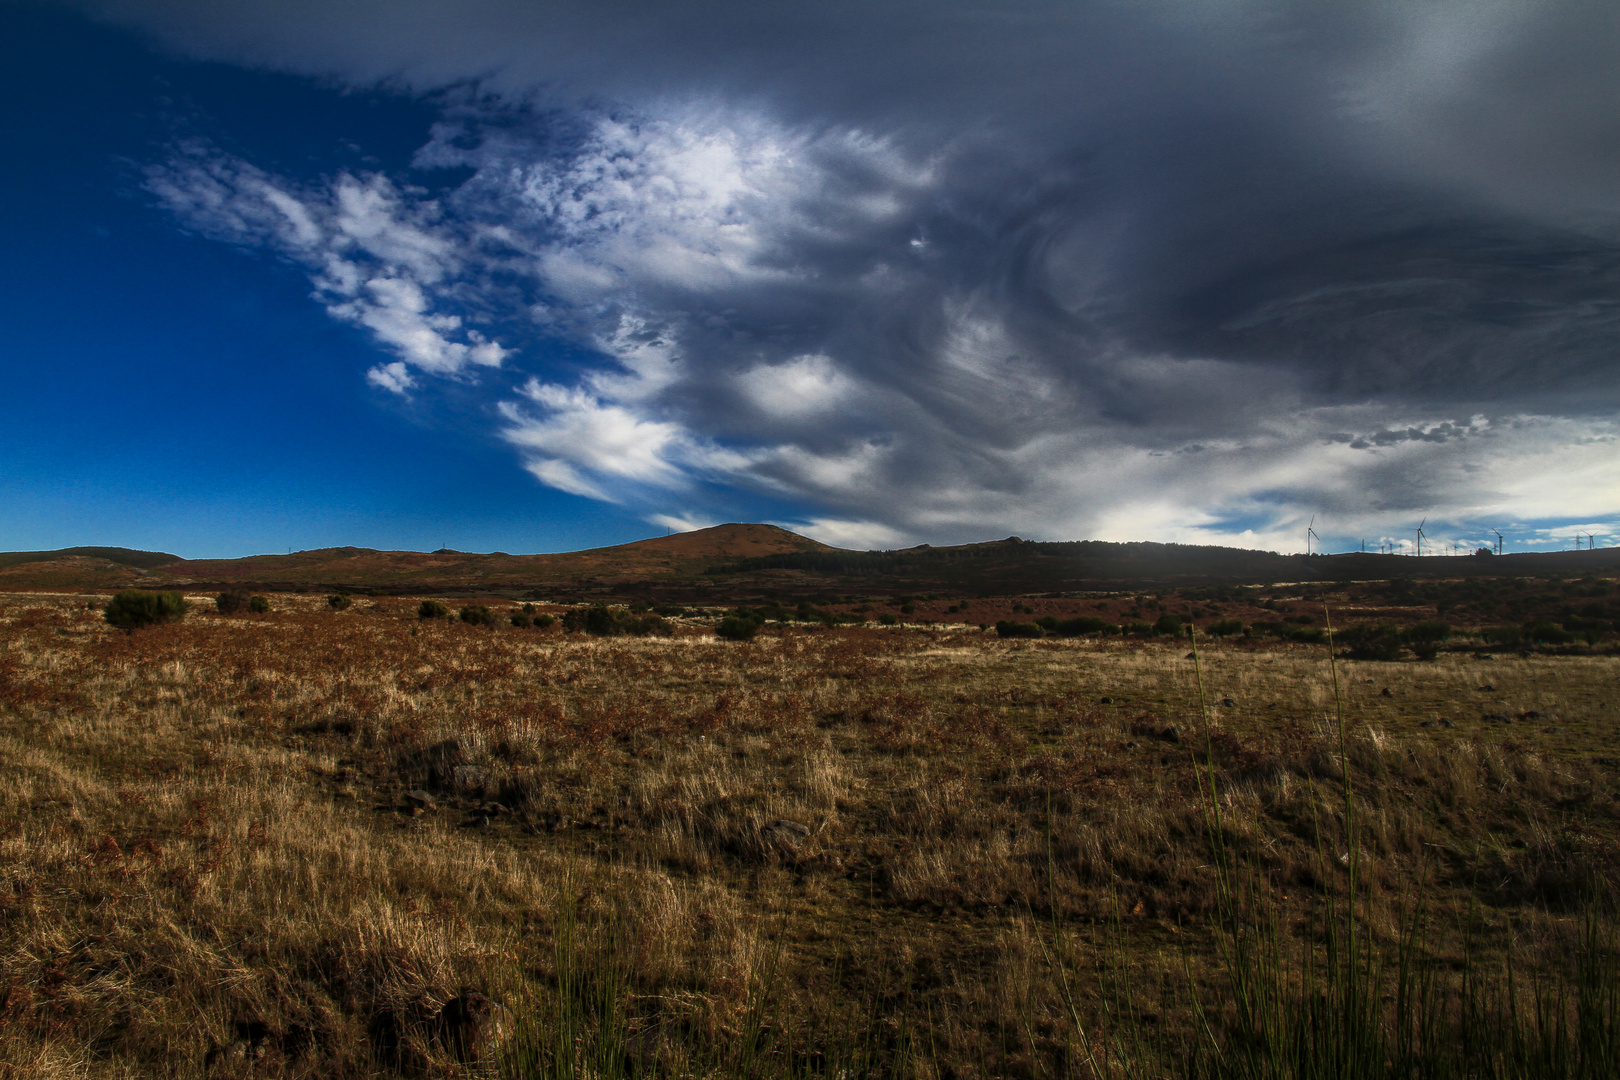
211	867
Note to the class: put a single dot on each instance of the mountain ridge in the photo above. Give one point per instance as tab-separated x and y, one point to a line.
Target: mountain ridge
740	559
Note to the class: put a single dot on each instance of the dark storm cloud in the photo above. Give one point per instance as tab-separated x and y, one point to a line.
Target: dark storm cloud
1021	254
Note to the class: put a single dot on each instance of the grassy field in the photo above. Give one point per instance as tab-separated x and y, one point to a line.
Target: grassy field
833	851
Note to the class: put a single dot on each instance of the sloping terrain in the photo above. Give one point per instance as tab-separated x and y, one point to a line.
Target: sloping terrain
736	562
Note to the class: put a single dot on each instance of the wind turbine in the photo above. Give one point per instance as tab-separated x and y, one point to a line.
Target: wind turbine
1310	534
1498	533
1422	523
1590	537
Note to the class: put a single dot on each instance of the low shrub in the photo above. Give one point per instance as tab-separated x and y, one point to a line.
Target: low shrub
1428	631
519	619
887	619
544	622
736	628
258	605
1548	633
432	609
231	601
1137	626
648	626
1224	628
477	615
1168	625
1593	630
1008	629
132	609
1424	638
1380	642
1503	635
598	620
339	602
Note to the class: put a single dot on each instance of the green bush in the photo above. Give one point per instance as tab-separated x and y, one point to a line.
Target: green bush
1428	632
1381	642
231	601
1592	629
521	620
1503	635
544	622
735	628
1137	626
1168	625
1079	626
647	626
598	620
432	609
1224	628
258	605
339	602
477	615
1547	633
1008	629
132	609
887	619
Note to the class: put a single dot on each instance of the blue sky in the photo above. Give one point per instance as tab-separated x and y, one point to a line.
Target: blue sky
542	277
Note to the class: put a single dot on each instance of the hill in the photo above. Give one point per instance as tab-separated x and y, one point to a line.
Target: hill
737	561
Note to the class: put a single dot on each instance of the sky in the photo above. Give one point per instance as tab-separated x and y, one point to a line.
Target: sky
520	276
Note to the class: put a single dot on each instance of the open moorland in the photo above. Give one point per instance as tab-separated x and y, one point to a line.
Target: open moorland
359	842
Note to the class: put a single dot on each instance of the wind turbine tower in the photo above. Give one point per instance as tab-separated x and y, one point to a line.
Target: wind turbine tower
1422	523
1498	533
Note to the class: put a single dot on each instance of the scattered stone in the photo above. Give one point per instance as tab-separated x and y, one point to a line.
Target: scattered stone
421	800
1447	723
1605	761
1487	689
789	834
1171	734
1385	692
1427	723
494	808
1106	700
1190	656
1229	703
1494	718
1530	714
1130	746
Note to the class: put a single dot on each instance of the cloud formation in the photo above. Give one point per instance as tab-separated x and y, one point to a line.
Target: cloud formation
932	271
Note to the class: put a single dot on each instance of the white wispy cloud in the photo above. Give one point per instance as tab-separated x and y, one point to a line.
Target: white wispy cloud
978	279
377	257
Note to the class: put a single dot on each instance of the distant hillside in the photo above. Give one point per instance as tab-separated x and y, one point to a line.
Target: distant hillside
735	562
1018	566
141	560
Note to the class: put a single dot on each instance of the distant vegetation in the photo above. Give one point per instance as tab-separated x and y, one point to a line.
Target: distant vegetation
141	560
601	620
132	609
